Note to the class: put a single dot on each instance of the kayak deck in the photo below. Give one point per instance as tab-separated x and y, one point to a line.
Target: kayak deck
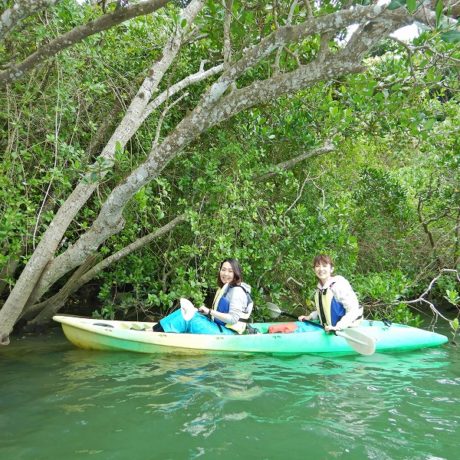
94	334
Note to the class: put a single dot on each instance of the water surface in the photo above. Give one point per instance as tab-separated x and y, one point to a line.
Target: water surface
60	402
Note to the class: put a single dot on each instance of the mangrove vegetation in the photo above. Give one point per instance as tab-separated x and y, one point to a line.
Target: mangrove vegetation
144	141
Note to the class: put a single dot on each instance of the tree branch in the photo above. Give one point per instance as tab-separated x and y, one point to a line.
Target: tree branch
228	5
187	81
16	71
276	65
19	11
327	147
28	287
208	114
422	297
162	116
87	271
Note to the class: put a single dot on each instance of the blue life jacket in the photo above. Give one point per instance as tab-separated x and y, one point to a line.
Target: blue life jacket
330	310
224	302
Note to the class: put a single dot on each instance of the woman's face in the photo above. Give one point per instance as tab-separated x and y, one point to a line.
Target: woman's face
323	272
226	273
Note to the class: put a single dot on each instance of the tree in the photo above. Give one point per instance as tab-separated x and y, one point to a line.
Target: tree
243	83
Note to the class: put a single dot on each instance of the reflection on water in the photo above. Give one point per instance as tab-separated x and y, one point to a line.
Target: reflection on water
111	405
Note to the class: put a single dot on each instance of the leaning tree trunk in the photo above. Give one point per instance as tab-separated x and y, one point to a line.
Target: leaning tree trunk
56	302
86	272
48	245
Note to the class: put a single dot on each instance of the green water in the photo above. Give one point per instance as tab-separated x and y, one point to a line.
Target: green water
60	402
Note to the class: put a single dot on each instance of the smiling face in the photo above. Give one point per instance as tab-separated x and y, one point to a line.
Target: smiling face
323	271
226	273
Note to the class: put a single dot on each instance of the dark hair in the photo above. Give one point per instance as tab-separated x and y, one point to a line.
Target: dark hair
322	259
237	273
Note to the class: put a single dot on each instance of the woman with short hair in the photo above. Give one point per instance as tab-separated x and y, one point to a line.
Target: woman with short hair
337	306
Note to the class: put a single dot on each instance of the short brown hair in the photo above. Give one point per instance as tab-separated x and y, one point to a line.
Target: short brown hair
322	259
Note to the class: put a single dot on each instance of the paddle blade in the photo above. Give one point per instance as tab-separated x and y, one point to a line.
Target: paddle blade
273	310
187	309
359	341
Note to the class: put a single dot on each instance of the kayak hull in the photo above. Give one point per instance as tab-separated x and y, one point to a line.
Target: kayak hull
93	334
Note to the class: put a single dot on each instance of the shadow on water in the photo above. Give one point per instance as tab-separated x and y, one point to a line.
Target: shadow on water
110	405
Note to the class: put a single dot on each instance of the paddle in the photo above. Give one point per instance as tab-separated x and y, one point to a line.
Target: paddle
358	340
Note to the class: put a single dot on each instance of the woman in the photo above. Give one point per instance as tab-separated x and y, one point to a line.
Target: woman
337	306
230	310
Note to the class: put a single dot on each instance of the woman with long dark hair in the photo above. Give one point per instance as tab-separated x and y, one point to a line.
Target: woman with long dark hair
231	308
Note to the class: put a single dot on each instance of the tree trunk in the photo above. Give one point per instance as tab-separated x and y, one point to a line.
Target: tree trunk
86	272
27	282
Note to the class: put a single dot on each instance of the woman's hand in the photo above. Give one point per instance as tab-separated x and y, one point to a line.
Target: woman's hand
304	318
204	310
332	328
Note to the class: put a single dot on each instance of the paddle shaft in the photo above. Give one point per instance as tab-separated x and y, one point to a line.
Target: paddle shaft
290	315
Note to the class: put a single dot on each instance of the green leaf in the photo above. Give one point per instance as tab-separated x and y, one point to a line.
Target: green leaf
452	297
118	148
395	4
183	23
451	37
438	9
411	5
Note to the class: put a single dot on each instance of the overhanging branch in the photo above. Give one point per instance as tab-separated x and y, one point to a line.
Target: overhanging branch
76	35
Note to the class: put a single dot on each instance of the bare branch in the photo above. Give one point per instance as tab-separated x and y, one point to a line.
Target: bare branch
16	71
309	9
57	126
457	240
422	297
299	195
288	23
21	10
187	81
163	114
285	165
228	5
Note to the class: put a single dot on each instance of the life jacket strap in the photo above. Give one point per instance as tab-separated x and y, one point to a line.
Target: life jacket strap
320	305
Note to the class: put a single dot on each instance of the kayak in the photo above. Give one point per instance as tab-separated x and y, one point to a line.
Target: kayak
135	336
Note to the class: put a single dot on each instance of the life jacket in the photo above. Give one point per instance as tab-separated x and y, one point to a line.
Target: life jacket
330	310
222	304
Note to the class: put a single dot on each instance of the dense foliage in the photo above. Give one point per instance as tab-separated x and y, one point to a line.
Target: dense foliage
385	203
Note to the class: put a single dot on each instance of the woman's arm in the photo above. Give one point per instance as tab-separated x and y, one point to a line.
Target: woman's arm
344	293
238	301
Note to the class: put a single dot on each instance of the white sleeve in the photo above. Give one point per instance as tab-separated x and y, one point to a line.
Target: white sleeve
344	293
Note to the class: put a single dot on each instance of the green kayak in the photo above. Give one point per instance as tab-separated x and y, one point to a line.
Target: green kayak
93	334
